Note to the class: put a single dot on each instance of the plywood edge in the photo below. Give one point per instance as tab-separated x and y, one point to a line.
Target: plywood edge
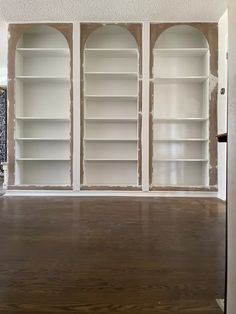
110	188
39	187
190	188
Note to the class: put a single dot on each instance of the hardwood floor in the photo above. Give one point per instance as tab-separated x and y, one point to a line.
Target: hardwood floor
111	255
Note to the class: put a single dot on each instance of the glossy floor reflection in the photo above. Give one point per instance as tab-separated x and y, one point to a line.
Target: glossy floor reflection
111	255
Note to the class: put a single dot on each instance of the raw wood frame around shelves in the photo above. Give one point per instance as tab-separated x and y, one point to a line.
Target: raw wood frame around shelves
210	31
16	31
86	29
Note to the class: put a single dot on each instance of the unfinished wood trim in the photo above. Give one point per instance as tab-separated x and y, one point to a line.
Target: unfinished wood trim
151	106
171	188
86	29
39	187
16	31
140	134
210	31
110	188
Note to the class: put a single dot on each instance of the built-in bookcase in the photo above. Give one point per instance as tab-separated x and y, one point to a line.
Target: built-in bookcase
42	108
112	144
110	115
180	119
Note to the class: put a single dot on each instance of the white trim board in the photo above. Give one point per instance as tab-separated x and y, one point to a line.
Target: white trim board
110	193
221	303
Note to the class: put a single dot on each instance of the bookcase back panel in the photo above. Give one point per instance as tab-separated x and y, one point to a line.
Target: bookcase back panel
42	36
110	86
187	174
53	173
109	173
43	149
42	99
111	37
182	36
43	129
98	64
182	150
179	101
42	66
111	109
179	66
111	150
111	130
185	130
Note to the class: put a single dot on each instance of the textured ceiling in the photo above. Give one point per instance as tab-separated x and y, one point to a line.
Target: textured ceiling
111	10
103	10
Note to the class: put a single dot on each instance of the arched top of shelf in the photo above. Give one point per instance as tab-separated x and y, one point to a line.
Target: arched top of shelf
181	37
111	37
40	36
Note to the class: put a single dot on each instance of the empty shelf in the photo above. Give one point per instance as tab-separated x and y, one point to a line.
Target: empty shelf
42	159
112	75
111	97
180	119
110	160
111	53
41	139
56	79
182	140
181	160
44	52
42	119
185	52
180	79
110	140
125	120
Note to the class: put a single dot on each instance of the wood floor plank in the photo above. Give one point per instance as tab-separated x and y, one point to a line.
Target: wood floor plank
111	255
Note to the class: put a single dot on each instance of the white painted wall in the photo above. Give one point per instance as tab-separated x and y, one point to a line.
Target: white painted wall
222	104
3	54
231	192
113	10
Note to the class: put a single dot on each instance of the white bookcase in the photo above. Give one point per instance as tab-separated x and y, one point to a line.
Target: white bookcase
180	78
42	108
110	120
113	107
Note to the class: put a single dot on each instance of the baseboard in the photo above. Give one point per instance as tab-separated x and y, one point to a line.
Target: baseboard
221	303
112	193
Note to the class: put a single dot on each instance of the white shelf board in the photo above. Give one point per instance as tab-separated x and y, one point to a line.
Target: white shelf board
110	140
182	140
184	52
111	97
180	186
42	139
111	75
110	160
43	119
111	53
42	159
33	78
181	160
180	79
180	119
107	120
44	52
110	184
